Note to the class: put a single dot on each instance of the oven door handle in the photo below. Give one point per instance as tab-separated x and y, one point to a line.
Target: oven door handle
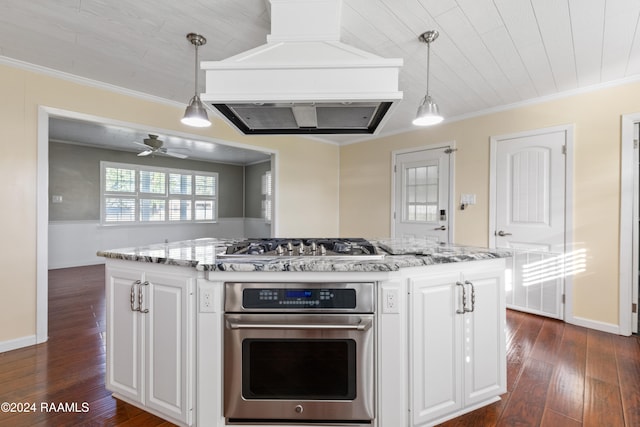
363	325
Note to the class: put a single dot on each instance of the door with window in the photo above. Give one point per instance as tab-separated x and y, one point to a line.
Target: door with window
422	194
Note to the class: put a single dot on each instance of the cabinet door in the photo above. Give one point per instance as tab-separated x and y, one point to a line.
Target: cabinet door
124	332
168	352
484	343
436	347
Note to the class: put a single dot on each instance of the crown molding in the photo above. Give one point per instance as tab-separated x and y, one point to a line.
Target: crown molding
4	60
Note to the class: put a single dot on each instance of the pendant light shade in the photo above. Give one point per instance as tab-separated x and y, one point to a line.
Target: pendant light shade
428	112
196	113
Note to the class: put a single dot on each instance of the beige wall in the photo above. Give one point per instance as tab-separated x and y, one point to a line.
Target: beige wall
306	201
365	182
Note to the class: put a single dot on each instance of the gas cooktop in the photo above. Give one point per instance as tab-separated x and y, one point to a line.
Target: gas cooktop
303	247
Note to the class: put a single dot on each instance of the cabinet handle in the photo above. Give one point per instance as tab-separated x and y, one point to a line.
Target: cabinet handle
473	297
133	295
464	299
140	298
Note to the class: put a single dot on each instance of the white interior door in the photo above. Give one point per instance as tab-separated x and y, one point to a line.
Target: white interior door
529	217
422	194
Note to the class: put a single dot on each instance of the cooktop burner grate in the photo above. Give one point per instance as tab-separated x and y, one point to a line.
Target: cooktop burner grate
303	247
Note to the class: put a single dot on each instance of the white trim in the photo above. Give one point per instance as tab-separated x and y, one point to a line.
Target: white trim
568	216
275	198
635	290
493	171
450	208
42	227
257	162
18	343
627	171
595	324
11	62
568	198
452	191
507	107
4	60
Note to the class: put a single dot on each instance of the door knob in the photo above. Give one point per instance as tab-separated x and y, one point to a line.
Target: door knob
502	233
442	227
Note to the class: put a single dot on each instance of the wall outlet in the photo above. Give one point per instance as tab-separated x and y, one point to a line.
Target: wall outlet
206	300
390	301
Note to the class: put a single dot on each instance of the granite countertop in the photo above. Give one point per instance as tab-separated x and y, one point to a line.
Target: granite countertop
201	254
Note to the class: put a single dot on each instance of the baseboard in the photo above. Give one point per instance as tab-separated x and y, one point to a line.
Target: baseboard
17	343
77	263
532	311
594	324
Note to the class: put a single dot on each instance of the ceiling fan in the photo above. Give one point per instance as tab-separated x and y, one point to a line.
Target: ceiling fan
153	145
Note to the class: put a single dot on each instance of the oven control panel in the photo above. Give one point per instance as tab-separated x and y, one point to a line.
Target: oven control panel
283	299
292	297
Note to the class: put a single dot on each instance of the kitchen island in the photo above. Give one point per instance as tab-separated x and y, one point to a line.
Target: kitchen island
439	346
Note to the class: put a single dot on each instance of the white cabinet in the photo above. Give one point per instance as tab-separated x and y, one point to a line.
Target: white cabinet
149	339
457	347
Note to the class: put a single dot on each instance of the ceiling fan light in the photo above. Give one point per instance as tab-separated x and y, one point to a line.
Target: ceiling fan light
196	114
428	113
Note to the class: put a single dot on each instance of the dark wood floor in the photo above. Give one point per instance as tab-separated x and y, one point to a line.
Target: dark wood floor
70	367
558	374
564	375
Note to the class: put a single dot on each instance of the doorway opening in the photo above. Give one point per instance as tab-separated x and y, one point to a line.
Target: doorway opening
115	132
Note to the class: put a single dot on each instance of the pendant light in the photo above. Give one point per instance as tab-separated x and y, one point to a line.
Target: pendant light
428	112
196	113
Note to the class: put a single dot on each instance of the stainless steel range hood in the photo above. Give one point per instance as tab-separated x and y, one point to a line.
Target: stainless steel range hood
304	80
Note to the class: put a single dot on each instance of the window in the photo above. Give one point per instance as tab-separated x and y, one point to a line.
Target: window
134	194
421	187
267	192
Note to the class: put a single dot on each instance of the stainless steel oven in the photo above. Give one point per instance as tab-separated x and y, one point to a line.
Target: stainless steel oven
299	353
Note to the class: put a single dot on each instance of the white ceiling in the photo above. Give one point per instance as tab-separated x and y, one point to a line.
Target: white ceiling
490	53
127	138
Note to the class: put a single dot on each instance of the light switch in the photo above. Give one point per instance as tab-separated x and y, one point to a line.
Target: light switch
468	199
56	199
